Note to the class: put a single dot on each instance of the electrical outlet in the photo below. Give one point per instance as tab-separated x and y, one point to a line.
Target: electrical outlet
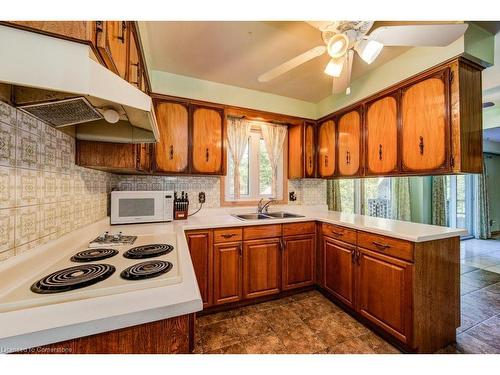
292	197
201	197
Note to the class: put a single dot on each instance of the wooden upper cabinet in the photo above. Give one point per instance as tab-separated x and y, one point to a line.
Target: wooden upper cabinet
171	152
261	267
134	66
200	248
349	143
112	40
326	149
309	149
298	261
381	123
425	124
384	286
295	151
75	30
227	272
207	141
338	269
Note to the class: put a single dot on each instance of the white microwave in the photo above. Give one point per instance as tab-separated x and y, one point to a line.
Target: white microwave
141	206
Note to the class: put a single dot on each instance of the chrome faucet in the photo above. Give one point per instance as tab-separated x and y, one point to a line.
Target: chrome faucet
263	207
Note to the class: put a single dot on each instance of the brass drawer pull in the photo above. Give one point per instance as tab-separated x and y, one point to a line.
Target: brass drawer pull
338	234
228	235
380	245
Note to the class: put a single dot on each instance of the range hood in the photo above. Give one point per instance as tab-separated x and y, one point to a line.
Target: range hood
61	83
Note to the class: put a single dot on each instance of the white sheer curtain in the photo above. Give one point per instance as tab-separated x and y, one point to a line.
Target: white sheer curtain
238	131
274	136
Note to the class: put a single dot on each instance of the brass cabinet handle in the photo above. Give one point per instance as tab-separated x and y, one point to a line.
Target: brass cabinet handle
121	37
381	245
338	234
99	27
228	235
282	245
206	154
421	145
326	160
380	152
240	249
348	157
358	256
353	256
171	152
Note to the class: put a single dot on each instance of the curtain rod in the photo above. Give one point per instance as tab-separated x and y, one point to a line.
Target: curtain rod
262	121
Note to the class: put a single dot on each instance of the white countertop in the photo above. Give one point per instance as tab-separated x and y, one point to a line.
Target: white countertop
36	326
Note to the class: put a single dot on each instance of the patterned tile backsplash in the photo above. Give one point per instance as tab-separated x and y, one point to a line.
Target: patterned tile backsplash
43	194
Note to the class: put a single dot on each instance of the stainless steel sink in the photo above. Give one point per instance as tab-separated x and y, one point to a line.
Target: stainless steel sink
269	215
282	215
252	216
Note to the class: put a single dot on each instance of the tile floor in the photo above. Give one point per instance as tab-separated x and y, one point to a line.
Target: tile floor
484	254
309	323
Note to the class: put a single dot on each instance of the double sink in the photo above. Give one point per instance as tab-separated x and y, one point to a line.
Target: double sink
267	215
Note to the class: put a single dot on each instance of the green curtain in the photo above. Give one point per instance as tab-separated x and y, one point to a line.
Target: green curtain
438	201
401	209
484	206
333	195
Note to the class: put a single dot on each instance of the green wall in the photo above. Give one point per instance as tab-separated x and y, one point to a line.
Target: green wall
420	199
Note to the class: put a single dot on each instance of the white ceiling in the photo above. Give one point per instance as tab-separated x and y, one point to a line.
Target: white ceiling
236	53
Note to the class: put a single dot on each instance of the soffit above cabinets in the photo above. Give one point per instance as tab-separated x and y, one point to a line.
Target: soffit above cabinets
236	53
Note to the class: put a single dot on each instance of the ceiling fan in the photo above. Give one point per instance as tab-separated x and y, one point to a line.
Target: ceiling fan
343	38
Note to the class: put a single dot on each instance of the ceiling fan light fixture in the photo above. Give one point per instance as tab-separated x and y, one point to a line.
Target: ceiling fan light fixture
334	67
338	45
369	50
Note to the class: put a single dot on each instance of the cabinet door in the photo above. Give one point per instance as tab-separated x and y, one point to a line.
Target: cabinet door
134	67
79	30
227	272
309	150
296	151
338	270
384	289
106	156
298	261
112	42
207	140
382	135
326	152
200	248
349	143
425	124
261	267
171	152
144	157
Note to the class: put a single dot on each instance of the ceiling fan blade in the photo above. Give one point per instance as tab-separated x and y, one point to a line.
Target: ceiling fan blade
292	63
342	83
419	35
320	25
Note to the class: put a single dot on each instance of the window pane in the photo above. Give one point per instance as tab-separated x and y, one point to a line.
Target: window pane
461	201
265	172
244	174
377	197
347	195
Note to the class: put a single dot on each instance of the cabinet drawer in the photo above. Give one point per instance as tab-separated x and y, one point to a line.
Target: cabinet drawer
386	245
228	235
339	233
293	229
261	231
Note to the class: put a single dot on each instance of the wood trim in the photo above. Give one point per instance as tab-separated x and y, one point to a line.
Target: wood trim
135	30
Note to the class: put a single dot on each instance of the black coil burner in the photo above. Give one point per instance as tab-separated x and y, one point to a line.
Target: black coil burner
91	255
146	270
148	251
73	278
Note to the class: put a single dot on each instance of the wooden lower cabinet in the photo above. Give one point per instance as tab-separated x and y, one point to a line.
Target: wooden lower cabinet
167	336
384	292
261	267
227	272
200	249
338	271
298	261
